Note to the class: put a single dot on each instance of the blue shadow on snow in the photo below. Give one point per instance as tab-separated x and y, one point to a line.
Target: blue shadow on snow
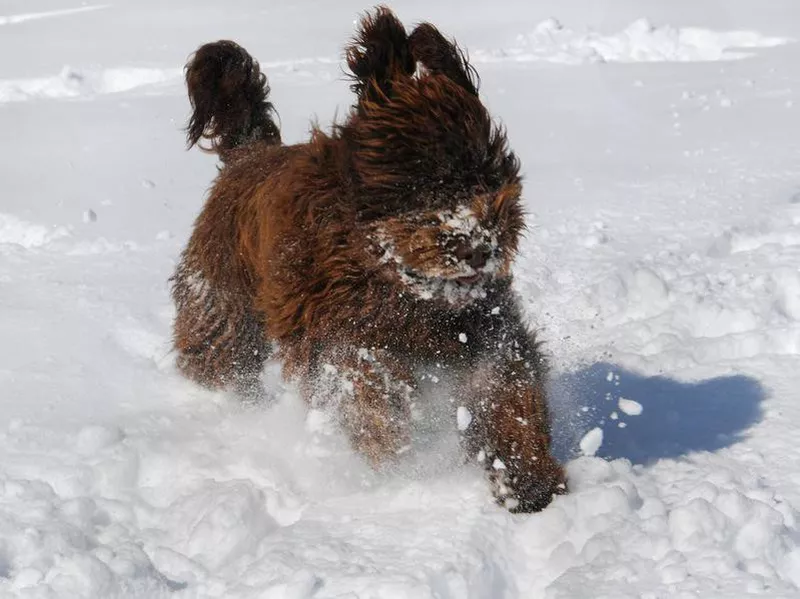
676	419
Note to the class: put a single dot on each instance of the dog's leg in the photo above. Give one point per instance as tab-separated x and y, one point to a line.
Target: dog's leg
219	338
509	429
374	391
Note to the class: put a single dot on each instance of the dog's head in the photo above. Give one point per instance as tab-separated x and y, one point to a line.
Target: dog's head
436	185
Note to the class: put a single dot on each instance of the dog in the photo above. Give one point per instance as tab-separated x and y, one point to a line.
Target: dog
369	254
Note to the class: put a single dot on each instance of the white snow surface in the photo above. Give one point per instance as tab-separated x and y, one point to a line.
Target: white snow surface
71	83
641	41
661	266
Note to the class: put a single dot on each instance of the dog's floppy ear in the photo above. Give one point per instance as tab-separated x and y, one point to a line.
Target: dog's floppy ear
439	55
378	54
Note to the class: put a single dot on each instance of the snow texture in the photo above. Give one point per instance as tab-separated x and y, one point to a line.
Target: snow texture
640	41
661	267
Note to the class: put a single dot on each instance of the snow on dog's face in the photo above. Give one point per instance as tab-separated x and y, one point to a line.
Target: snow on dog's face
451	253
436	184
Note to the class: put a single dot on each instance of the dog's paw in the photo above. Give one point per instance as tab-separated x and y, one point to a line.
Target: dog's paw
526	492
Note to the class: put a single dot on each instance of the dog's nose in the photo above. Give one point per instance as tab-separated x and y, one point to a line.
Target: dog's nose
476	257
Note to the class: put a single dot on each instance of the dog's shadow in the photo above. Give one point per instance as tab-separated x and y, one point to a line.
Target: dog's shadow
676	418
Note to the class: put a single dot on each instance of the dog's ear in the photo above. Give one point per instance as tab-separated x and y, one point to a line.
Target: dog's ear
439	55
378	54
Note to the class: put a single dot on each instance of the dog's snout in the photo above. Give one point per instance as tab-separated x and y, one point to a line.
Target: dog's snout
476	257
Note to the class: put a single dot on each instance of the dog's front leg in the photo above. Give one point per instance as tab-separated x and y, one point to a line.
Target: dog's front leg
374	392
508	428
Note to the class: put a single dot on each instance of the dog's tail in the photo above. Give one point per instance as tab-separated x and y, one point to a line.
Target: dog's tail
228	93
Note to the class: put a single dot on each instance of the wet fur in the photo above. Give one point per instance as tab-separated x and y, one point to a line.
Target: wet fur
327	249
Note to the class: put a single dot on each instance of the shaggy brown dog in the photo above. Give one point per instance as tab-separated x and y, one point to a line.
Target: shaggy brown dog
369	255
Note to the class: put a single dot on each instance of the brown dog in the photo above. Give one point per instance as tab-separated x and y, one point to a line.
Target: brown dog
369	255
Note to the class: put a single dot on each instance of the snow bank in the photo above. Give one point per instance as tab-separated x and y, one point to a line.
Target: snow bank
75	83
641	41
16	231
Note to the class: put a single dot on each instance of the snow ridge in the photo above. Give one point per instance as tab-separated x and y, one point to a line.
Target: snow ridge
74	83
34	16
14	230
641	41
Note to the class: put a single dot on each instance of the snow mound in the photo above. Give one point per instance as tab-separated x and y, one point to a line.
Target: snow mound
101	245
16	231
75	83
641	41
691	539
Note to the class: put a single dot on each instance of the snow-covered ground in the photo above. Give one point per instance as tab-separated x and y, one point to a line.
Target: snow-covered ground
661	147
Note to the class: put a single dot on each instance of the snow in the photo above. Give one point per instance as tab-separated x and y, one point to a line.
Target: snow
629	406
28	235
20	18
463	418
72	83
641	41
659	143
592	440
462	223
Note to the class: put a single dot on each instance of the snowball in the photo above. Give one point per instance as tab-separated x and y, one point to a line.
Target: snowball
462	337
592	441
629	407
463	418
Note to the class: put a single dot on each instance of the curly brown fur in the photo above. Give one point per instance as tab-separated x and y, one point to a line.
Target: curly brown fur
369	253
378	55
431	48
228	93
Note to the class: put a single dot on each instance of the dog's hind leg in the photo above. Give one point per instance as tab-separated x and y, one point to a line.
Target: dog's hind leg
374	391
218	336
